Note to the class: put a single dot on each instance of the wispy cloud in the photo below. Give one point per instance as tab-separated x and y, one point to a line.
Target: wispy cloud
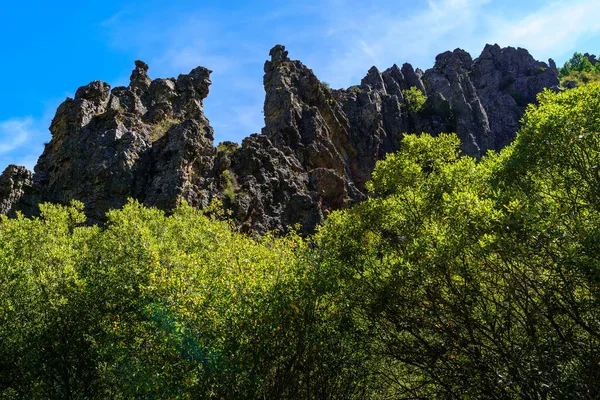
21	139
383	34
389	35
114	19
554	30
14	133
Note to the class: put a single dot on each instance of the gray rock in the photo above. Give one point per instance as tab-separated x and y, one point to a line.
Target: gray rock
144	141
506	81
15	183
152	142
591	58
450	77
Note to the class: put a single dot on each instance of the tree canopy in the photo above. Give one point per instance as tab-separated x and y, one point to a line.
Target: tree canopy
456	279
580	69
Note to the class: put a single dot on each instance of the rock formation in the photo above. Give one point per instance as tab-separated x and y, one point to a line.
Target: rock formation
149	141
15	187
152	142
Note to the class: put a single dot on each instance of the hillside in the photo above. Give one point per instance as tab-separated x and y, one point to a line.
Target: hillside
151	141
456	278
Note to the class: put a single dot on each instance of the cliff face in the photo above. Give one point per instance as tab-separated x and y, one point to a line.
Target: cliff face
151	140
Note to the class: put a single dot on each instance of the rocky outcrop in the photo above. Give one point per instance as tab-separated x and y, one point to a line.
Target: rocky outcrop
481	100
15	184
152	142
591	58
149	141
506	81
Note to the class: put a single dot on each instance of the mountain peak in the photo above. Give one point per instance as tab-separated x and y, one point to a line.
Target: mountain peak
152	142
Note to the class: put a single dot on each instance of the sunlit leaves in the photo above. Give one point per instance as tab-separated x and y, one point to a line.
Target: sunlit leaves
457	278
160	306
480	280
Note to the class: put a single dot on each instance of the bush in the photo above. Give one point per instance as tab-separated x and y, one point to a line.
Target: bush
164	307
480	280
580	70
413	99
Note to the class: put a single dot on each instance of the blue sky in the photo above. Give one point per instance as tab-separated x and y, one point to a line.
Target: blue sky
51	48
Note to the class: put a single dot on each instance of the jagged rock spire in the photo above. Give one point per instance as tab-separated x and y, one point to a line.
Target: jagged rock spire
278	55
139	76
151	140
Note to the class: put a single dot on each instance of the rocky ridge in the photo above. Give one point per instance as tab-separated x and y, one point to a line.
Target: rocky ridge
152	142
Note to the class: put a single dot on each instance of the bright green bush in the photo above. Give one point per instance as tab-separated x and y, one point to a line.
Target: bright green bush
413	99
164	307
456	279
481	280
579	70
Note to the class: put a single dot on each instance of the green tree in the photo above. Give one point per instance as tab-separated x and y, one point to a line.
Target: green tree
45	349
577	63
413	99
580	70
480	280
156	306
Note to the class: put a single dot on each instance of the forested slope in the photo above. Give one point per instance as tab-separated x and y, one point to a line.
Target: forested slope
456	279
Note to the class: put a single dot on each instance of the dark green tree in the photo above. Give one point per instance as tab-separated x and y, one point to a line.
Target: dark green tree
481	280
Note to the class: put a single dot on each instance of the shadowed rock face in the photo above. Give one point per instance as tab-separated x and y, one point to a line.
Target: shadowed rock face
15	184
152	142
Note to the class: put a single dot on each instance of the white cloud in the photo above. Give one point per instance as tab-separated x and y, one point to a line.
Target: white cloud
554	30
395	36
21	138
14	133
114	19
386	34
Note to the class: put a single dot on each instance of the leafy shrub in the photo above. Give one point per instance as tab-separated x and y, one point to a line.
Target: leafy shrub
152	306
456	279
480	280
413	99
325	87
580	70
160	128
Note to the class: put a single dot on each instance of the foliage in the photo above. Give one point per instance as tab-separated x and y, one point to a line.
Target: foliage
162	127
456	279
578	63
413	99
354	89
163	307
325	87
229	184
580	78
481	280
227	148
579	70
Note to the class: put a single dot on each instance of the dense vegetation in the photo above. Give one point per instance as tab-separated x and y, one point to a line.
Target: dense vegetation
458	279
413	99
580	70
